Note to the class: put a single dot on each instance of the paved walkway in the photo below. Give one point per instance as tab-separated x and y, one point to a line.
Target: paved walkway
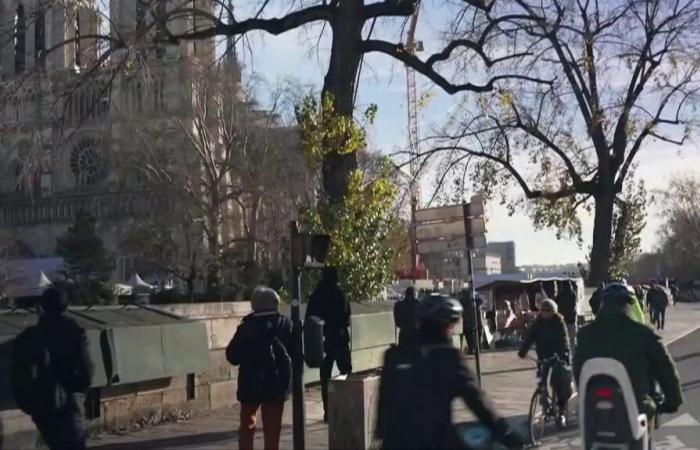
508	380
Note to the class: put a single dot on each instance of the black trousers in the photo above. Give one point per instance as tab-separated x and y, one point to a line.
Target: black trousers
659	318
64	430
337	349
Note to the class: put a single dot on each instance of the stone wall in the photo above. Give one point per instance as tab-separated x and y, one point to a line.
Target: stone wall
119	407
213	388
123	406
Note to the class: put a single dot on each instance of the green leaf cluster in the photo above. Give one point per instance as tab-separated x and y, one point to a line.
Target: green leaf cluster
322	131
361	225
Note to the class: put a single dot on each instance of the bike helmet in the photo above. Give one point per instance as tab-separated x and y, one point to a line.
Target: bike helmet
618	292
439	308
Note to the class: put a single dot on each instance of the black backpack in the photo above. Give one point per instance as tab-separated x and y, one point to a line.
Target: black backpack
404	394
35	388
279	374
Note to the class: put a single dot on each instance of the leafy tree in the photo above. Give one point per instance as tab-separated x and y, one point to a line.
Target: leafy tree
359	227
172	244
618	78
680	235
87	265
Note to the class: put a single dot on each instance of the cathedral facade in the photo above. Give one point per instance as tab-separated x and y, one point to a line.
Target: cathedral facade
71	111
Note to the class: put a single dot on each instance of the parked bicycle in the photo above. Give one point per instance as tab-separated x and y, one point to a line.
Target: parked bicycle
543	406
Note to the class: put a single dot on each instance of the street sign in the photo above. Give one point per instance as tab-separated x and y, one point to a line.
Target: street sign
447	245
442	213
449	230
440	230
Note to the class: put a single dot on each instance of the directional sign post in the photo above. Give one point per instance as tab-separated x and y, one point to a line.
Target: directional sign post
455	229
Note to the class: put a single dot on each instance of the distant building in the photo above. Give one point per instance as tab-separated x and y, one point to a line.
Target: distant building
506	251
488	264
551	270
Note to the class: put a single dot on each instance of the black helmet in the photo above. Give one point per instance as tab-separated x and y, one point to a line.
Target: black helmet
619	293
439	308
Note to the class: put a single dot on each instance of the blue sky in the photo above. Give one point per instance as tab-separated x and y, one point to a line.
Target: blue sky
383	83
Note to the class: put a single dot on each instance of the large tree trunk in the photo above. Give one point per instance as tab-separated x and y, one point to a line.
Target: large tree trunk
340	83
602	236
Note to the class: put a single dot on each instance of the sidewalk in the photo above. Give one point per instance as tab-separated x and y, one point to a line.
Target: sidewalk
508	380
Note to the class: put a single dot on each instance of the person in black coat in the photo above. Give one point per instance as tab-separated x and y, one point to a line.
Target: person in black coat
261	347
67	346
406	317
472	323
328	303
566	303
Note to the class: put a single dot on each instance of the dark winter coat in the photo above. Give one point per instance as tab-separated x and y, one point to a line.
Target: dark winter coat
566	301
549	336
657	298
596	300
406	319
614	334
437	377
250	349
68	349
328	303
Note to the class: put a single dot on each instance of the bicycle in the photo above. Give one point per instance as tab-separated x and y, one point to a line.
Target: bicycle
543	406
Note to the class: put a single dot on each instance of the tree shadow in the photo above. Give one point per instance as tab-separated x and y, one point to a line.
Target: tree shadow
690	385
172	442
686	357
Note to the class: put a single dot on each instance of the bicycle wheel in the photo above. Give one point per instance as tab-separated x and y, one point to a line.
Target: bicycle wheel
538	416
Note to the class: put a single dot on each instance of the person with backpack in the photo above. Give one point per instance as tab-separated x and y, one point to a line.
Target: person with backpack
329	304
51	371
418	384
406	317
261	347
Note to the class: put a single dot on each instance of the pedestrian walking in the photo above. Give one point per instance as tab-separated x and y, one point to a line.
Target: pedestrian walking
51	372
261	347
406	317
658	302
328	303
567	305
472	322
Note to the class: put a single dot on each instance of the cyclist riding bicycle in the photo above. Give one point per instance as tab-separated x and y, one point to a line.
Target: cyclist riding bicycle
419	383
550	337
616	334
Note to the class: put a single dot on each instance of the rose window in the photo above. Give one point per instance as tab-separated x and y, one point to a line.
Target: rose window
86	164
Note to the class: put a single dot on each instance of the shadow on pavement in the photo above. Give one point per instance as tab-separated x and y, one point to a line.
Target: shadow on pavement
521	369
172	442
688	356
691	385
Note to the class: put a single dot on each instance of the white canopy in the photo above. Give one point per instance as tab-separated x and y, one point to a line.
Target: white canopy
44	281
137	282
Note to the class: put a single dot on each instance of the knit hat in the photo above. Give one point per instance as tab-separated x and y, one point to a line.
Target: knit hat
265	299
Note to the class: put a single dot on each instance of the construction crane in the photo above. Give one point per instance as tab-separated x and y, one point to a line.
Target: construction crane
412	47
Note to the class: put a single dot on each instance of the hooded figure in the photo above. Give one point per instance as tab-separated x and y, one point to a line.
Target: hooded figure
328	303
